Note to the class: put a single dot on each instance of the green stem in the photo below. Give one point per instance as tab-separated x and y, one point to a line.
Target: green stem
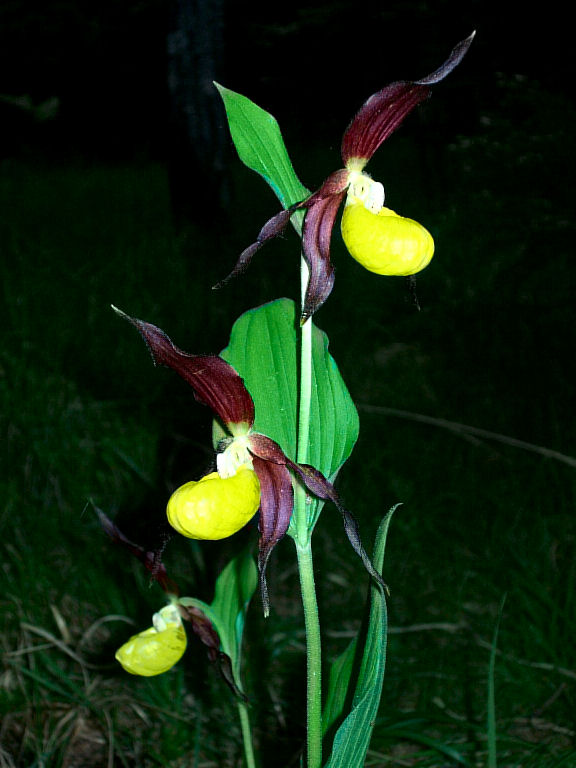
301	511
313	657
303	542
246	734
305	374
305	390
304	405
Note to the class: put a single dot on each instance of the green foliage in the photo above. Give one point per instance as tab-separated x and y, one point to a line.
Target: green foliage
257	138
263	349
353	736
491	698
233	591
338	685
79	404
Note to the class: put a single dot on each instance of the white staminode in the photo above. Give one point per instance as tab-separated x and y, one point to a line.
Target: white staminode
165	616
365	190
233	456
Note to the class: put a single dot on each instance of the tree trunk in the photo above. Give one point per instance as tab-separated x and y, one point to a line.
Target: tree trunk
197	136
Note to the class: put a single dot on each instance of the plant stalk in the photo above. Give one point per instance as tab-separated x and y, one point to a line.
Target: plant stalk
304	553
304	405
313	657
246	734
305	390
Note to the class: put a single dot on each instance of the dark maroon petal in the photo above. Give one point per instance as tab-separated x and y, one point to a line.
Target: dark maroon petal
317	232
150	560
215	383
273	227
202	628
385	110
319	486
458	53
335	183
269	451
206	632
225	667
276	504
316	237
379	117
265	448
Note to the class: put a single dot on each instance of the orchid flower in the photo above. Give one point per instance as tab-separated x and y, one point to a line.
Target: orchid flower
377	237
157	649
253	472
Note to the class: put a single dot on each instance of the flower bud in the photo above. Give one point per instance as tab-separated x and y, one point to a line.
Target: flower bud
384	242
215	507
157	649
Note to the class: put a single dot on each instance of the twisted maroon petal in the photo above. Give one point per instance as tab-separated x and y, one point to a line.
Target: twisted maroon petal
319	486
269	451
456	56
316	235
203	628
201	624
385	110
322	208
273	227
207	634
276	504
150	560
214	381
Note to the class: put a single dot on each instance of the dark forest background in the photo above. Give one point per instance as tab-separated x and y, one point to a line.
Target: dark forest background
108	66
119	184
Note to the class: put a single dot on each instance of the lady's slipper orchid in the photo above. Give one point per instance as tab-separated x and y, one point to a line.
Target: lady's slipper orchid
215	507
140	652
253	471
157	649
384	242
376	237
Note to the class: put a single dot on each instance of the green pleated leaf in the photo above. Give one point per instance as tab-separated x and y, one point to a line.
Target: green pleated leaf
264	350
234	589
338	683
257	138
334	422
352	738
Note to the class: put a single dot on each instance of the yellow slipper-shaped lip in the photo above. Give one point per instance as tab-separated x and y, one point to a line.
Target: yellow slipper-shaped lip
384	242
214	507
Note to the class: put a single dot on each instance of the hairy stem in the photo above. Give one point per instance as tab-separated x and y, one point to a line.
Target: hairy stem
313	657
